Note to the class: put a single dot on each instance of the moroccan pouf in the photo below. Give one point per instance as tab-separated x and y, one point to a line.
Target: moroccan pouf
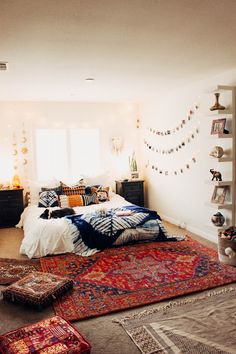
37	289
51	336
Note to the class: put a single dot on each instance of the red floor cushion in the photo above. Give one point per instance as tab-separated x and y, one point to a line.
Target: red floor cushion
50	336
37	289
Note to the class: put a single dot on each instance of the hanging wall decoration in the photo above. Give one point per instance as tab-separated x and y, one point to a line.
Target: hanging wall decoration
175	172
178	127
15	152
24	156
175	148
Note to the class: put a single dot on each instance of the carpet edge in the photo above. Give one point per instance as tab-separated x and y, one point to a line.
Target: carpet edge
172	304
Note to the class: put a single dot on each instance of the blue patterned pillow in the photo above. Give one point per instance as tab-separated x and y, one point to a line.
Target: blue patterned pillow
48	199
90	199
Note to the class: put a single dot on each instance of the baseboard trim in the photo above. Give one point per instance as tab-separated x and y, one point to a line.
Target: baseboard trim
194	230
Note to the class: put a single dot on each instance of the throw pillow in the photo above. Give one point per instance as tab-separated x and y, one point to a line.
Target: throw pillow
58	190
63	200
103	194
75	200
90	199
48	199
73	190
82	200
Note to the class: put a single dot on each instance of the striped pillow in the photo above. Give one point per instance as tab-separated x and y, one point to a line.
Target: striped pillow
90	199
73	190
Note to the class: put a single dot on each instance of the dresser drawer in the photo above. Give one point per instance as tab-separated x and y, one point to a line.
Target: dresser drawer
132	187
13	195
11	207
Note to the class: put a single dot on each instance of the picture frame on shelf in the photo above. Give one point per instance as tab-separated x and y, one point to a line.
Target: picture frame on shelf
219	194
218	126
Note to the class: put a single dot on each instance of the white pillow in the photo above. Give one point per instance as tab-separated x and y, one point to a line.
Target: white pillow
102	179
63	201
35	189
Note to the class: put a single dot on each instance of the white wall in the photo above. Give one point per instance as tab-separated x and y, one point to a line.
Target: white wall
113	120
181	199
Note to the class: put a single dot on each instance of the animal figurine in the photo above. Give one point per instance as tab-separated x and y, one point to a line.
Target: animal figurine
58	213
216	175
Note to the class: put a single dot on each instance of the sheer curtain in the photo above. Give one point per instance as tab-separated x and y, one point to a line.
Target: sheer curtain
67	154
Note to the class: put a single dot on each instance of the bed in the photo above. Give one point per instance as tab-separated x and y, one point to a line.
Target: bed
44	237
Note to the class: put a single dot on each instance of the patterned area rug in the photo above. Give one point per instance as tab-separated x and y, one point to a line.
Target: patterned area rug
134	275
12	270
187	326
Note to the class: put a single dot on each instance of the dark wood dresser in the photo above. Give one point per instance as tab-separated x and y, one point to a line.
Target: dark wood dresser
11	206
131	190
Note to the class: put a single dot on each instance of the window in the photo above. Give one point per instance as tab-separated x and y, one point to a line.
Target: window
66	154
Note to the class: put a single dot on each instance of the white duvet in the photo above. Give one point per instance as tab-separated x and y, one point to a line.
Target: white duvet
54	236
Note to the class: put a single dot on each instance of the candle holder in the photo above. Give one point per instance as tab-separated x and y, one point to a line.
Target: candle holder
217	105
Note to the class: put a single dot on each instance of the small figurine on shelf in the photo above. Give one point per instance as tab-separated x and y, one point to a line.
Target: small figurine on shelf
216	175
217	152
217	105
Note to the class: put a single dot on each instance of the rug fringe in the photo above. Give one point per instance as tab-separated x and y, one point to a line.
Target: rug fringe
170	305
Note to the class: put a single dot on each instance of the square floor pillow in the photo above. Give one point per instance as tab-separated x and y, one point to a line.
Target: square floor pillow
37	289
50	336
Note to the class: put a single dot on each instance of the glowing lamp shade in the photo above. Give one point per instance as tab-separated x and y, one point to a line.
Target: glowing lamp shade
16	181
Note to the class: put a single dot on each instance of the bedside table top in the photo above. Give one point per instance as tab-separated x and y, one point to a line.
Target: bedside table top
129	180
11	189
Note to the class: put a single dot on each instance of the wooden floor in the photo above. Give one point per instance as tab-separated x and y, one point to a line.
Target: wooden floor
10	240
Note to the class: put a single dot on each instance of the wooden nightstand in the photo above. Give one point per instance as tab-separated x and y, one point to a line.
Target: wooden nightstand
131	190
11	206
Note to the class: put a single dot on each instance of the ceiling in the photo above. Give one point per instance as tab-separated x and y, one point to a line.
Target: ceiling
132	48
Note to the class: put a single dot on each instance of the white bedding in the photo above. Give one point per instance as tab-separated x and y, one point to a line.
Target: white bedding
54	236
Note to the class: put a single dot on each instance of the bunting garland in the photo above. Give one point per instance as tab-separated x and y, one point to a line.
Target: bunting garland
176	148
174	172
177	128
155	167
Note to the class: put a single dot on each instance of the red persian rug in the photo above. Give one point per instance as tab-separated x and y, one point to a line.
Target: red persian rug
135	275
12	270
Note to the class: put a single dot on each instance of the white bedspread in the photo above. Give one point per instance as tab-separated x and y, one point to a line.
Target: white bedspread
54	236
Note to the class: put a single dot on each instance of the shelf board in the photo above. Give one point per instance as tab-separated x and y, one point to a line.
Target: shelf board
220	183
225	159
214	114
220	206
221	88
224	88
225	136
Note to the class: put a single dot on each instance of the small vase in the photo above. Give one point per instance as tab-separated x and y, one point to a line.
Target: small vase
217	105
218	219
